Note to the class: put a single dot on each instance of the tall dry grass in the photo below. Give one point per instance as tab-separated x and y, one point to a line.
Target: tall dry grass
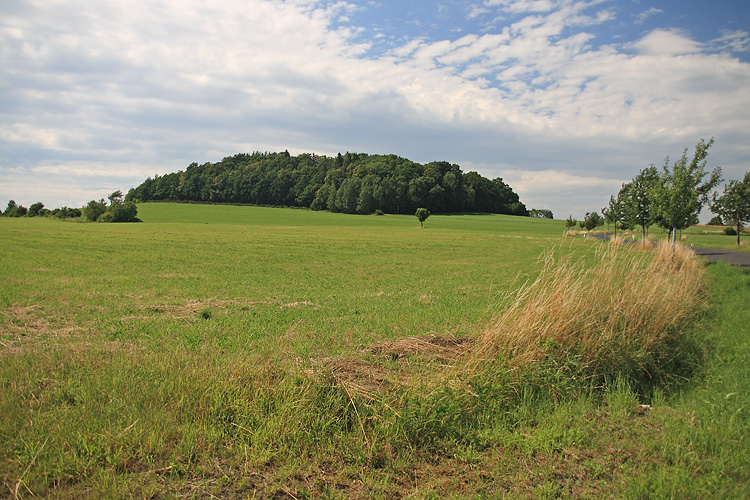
621	317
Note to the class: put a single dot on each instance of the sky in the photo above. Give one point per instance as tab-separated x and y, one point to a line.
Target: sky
563	99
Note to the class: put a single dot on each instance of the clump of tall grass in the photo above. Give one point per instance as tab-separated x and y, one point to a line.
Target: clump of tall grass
623	317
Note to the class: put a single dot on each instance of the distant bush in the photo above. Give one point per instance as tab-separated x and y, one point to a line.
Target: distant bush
124	212
94	209
14	210
716	221
541	213
106	217
35	209
379	212
730	231
117	211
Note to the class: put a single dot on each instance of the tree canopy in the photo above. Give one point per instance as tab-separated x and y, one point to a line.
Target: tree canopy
734	203
348	183
681	191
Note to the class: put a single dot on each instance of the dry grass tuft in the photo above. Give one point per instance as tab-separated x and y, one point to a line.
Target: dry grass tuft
444	348
413	355
611	318
616	241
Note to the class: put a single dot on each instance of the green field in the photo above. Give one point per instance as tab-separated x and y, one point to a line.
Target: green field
245	352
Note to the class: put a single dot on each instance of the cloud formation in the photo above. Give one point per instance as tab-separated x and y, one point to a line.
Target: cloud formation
97	96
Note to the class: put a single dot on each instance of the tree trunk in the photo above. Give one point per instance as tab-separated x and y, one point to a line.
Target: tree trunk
738	230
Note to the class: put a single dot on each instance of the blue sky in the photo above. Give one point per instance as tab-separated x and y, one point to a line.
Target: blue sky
564	99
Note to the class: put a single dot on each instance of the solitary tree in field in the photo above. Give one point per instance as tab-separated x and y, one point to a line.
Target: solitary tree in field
734	204
681	191
422	214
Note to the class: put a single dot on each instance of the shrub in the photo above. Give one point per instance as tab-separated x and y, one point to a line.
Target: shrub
106	217
94	210
730	231
124	212
35	209
379	212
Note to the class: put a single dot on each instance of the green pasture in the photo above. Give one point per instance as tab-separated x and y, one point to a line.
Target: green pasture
242	277
189	356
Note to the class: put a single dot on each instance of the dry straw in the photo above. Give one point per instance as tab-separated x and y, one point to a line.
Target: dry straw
609	318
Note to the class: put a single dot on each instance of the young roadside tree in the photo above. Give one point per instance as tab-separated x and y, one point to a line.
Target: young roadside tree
592	221
637	199
422	214
570	222
681	191
613	213
734	204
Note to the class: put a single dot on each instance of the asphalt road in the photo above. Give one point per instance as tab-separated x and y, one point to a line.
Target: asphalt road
728	256
715	254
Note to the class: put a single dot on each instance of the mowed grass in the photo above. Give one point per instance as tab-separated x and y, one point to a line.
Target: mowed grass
241	352
322	281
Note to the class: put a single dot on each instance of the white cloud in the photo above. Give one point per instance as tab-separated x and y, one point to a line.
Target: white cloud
734	41
524	6
669	42
641	18
123	84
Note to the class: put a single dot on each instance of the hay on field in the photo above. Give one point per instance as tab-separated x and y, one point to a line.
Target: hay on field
428	347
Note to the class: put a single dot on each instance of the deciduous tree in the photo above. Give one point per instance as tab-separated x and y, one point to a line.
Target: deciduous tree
734	204
682	189
422	214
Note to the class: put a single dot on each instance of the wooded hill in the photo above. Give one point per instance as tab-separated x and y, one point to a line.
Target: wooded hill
349	183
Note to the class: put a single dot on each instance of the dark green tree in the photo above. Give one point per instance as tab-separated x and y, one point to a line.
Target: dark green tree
734	203
614	213
124	212
35	209
94	209
115	198
716	220
592	220
422	214
14	210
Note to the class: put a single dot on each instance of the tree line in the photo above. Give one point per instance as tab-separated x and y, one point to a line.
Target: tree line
118	210
671	197
37	210
353	183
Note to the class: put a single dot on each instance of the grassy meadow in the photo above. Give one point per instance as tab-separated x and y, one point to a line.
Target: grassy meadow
246	352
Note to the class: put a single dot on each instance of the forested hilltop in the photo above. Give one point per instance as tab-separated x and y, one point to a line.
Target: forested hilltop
349	183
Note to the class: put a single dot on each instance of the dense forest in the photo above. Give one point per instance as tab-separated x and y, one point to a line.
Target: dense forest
348	183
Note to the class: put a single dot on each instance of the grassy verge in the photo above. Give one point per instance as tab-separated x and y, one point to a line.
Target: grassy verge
153	395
